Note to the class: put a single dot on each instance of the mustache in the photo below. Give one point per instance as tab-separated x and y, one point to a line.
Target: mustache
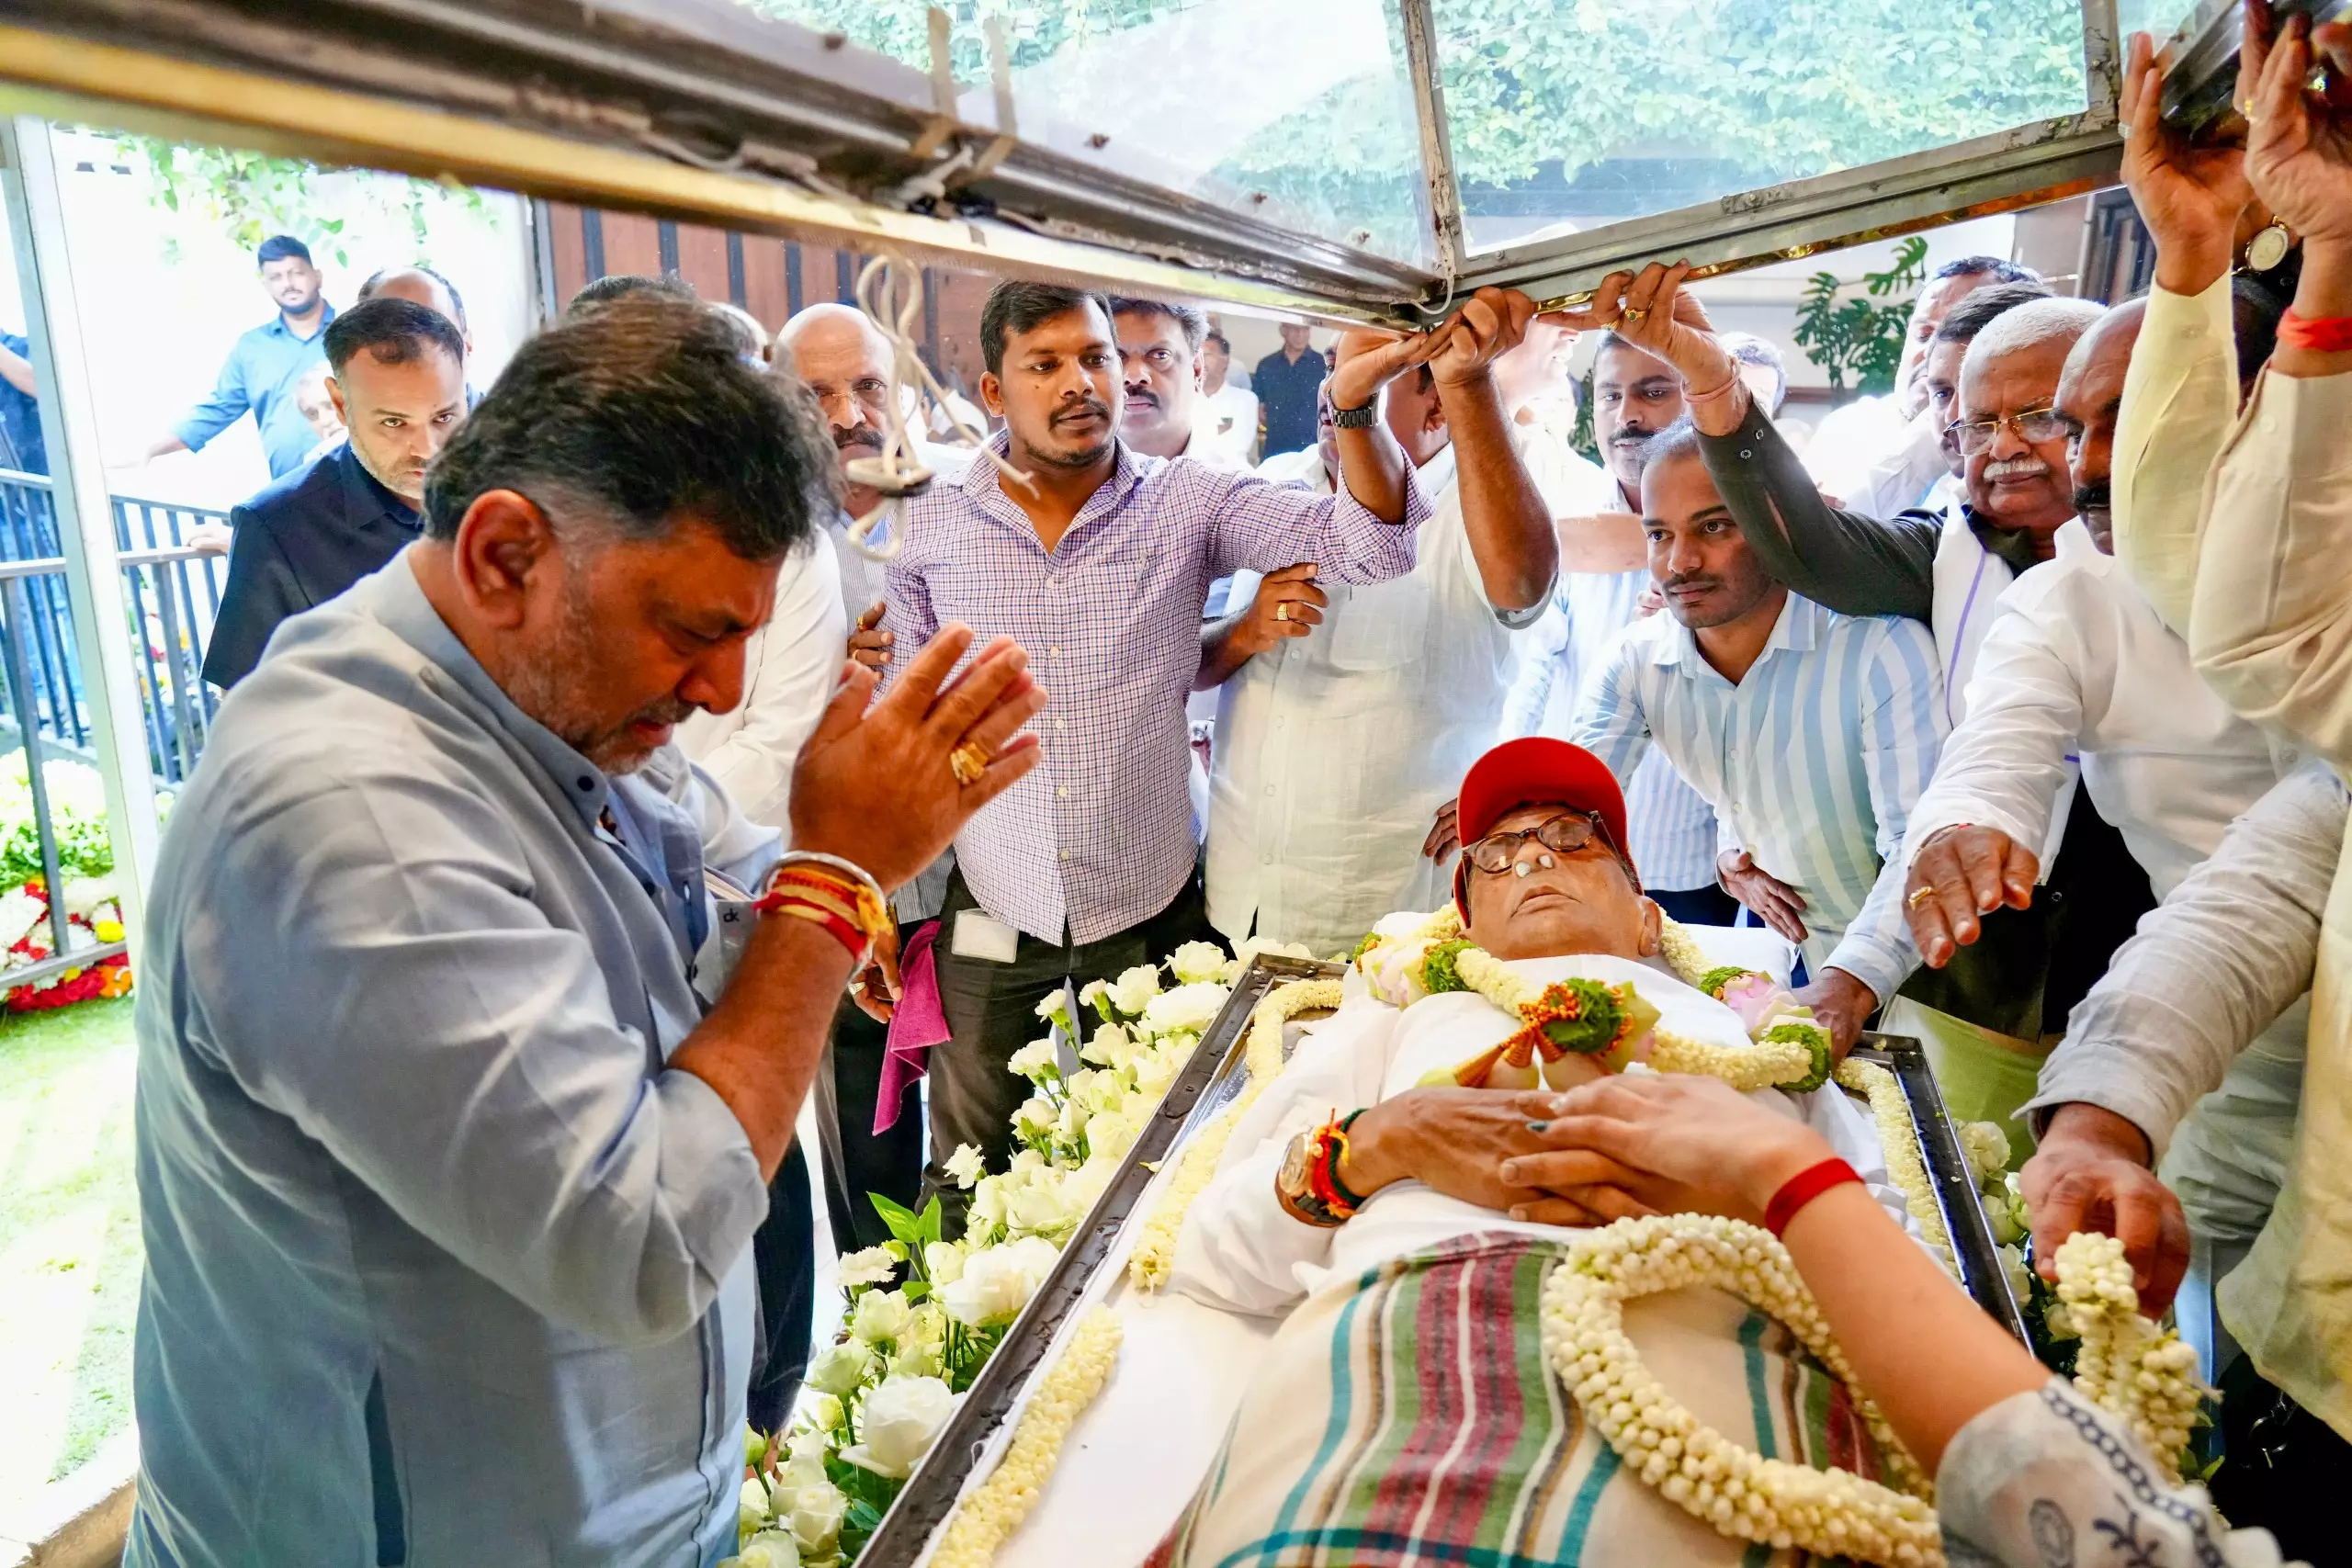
1693	580
1083	407
1633	435
1144	395
860	435
670	710
2094	496
2007	468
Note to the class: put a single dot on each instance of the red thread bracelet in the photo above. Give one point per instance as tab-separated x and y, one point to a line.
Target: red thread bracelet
2328	334
848	935
1803	1189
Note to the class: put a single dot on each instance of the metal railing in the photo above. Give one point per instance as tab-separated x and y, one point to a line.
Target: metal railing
172	590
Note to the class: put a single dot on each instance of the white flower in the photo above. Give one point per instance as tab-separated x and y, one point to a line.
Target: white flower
1113	1047
901	1419
816	1517
1052	1007
1196	961
914	1360
824	1411
750	1510
800	1476
1109	1136
1099	1091
998	1282
1987	1148
1096	995
838	1368
1132	991
873	1265
880	1315
1037	1206
1036	1061
771	1549
1250	947
987	1204
1071	1121
943	1261
810	1446
1188	1008
1036	1117
963	1164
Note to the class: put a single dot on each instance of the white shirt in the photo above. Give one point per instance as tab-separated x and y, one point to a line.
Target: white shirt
791	667
2077	663
1335	749
1872	459
1240	1250
1231	414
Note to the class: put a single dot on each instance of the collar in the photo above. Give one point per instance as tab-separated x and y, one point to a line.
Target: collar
1798	631
1127	472
368	496
277	324
399	604
2012	547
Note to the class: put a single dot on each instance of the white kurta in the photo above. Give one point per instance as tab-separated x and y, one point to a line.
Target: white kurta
791	667
1241	1251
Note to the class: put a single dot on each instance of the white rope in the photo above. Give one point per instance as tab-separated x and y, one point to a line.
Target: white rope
890	293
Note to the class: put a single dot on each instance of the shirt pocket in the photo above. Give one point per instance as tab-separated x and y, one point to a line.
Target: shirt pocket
1380	626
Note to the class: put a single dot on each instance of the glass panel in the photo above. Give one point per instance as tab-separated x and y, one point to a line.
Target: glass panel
1299	112
2161	18
1605	112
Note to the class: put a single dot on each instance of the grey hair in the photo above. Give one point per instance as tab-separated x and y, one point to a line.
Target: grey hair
2032	325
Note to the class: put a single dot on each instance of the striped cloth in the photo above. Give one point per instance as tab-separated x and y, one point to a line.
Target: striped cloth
1812	762
1671	824
1408	1417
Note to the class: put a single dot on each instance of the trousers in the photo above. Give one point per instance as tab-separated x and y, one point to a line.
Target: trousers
991	1011
858	1160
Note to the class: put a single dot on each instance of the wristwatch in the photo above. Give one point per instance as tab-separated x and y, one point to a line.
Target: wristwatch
1295	1185
1355	419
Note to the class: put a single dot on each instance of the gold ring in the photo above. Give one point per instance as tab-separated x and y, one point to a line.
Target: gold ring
1282	611
968	761
1636	313
1919	895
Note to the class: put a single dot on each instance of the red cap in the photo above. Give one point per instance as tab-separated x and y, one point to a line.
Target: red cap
1540	770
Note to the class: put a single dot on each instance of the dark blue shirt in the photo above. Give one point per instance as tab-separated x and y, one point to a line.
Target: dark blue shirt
20	444
299	543
260	374
1286	390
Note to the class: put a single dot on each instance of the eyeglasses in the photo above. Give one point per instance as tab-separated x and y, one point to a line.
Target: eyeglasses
1568	832
2034	426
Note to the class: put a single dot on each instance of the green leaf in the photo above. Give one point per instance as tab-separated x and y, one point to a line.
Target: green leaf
903	1221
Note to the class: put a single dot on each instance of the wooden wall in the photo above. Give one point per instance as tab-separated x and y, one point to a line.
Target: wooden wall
771	279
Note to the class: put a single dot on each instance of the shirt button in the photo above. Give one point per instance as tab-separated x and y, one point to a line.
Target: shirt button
1061	724
1063	792
1269	789
1065	854
587	783
1053	653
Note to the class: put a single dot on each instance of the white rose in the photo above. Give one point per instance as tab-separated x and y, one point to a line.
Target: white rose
1132	991
824	1411
809	1446
1037	1206
1987	1148
817	1518
1109	1136
913	1359
771	1549
880	1315
1250	947
1036	1117
963	1164
1112	1047
838	1368
1081	1187
1071	1121
943	1261
1096	995
1052	1007
751	1509
901	1419
1197	961
1101	1092
1035	1061
998	1282
873	1265
988	1201
1190	1008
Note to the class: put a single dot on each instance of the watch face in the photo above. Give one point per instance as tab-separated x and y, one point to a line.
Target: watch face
2267	248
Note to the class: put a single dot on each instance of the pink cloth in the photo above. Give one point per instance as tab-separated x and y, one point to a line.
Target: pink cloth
917	1023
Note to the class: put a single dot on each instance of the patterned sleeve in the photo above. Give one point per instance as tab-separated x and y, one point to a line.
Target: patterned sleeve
1611	722
1903	728
2044	1477
1262	526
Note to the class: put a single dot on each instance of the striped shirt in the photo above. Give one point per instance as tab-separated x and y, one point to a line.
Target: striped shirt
1671	826
1812	762
1099	837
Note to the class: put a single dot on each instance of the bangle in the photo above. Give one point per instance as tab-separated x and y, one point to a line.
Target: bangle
1803	1189
2327	334
848	935
804	881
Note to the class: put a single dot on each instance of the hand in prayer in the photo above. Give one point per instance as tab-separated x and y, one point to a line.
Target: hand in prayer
868	643
1967	872
1637	1144
1771	900
876	787
2189	194
2090	1173
2299	143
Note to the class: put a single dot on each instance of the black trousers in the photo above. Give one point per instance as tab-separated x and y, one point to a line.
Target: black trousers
992	1013
2282	1468
1696	905
858	1160
784	1257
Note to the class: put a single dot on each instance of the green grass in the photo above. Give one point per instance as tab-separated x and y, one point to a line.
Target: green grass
69	1239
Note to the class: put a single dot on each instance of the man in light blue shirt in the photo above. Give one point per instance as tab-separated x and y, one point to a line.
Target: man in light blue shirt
447	1178
1809	733
266	365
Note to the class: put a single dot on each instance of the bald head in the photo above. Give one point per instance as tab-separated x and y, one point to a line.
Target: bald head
418	286
2090	396
846	362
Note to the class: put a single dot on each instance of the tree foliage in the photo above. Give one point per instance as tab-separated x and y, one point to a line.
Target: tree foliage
249	196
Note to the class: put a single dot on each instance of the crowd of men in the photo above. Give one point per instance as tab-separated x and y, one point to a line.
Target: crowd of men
2019	721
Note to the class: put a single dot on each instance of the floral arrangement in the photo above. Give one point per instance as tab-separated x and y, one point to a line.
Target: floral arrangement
925	1312
1409	957
92	905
